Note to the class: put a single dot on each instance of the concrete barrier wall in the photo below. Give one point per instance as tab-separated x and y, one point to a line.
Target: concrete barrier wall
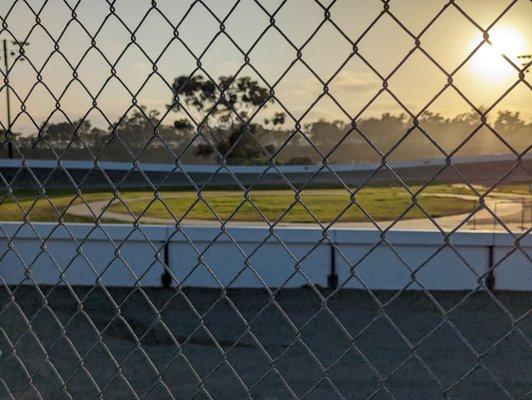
117	255
33	173
246	169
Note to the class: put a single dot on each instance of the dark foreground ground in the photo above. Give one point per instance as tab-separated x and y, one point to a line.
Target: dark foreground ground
404	353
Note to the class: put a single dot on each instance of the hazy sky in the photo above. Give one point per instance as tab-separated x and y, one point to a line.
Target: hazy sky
483	79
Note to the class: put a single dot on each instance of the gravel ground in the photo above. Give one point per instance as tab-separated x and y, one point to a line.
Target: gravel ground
442	358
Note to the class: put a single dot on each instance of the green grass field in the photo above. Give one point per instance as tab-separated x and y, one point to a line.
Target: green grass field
322	205
325	205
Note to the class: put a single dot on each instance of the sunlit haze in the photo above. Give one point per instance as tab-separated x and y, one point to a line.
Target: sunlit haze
449	40
504	42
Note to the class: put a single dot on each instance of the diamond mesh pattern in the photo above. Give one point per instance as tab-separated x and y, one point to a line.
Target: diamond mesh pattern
143	370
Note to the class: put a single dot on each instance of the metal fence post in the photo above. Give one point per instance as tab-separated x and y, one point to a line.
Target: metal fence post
332	278
490	278
166	277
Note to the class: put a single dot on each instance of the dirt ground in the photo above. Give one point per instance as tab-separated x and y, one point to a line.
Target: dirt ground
350	349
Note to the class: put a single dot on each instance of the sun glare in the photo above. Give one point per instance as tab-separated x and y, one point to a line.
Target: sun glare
489	62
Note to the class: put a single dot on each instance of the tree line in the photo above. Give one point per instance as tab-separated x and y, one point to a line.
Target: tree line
208	121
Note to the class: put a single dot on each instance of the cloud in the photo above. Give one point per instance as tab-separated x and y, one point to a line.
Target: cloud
349	81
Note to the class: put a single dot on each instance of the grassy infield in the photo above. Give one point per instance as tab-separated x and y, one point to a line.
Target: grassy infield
382	203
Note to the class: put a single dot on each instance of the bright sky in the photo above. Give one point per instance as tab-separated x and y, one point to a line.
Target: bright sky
449	40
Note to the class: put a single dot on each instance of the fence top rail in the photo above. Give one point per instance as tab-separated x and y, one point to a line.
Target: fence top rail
204	168
247	234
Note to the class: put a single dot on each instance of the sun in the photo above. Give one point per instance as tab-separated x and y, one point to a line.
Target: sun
489	62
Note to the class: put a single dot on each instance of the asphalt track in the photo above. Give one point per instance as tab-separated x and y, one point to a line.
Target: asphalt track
408	350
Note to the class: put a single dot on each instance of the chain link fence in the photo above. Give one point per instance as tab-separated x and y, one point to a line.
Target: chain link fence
124	337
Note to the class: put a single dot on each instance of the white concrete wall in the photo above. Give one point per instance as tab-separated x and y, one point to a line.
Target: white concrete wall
377	266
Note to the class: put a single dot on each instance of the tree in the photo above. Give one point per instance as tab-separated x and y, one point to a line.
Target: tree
62	133
513	129
326	134
508	122
385	131
224	109
140	127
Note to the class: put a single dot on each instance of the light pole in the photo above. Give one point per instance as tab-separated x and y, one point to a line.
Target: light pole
525	61
11	53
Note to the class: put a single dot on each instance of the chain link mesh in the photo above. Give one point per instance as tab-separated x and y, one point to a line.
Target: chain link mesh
147	368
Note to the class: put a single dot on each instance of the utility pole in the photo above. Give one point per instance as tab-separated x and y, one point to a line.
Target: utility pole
8	94
526	61
8	103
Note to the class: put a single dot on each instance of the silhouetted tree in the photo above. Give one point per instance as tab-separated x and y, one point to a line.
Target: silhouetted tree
147	134
143	131
224	109
62	133
513	129
326	134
